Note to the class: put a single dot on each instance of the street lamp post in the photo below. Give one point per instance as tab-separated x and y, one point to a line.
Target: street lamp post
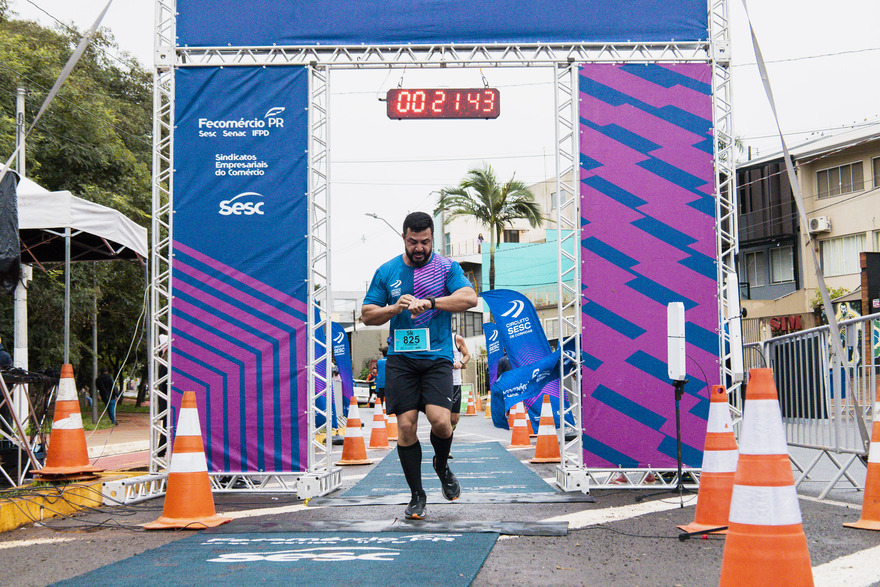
377	217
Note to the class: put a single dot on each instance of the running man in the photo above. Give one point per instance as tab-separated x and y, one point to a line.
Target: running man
461	356
417	292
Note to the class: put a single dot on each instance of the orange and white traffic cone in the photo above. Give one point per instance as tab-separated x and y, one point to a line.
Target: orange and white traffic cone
511	416
547	445
471	406
68	455
488	413
870	518
354	452
765	543
378	433
392	427
478	401
519	437
189	502
719	467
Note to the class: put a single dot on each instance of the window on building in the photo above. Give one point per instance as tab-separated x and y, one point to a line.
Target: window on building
447	244
876	165
554	200
781	264
840	256
511	236
755	268
877	241
468	324
840	180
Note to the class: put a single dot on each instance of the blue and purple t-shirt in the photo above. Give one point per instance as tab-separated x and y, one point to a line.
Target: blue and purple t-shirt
439	277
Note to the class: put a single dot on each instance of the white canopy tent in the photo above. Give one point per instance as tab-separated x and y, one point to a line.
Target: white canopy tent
56	227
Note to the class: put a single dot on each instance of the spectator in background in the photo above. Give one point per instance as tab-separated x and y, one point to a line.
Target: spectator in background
380	375
107	389
5	359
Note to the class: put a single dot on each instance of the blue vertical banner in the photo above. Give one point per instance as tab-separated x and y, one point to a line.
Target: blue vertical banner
494	352
239	271
343	363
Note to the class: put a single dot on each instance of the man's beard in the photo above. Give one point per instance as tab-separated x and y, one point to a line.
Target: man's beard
415	263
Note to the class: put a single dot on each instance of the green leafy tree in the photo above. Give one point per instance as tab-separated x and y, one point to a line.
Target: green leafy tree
95	141
494	205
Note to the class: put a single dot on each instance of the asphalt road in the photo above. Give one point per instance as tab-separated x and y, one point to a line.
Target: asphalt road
613	541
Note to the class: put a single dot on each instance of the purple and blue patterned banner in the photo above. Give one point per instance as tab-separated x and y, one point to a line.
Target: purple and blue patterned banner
238	310
647	239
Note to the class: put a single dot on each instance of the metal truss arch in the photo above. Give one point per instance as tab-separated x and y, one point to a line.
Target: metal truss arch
320	476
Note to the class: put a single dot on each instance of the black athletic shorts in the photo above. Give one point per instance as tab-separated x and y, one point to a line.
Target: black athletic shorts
411	384
456	399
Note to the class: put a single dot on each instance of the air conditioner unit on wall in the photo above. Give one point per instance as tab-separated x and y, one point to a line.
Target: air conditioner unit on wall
820	224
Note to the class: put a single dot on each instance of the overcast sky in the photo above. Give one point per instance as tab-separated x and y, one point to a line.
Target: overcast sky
823	58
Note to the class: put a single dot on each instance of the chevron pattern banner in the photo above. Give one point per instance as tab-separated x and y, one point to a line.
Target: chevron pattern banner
239	272
648	238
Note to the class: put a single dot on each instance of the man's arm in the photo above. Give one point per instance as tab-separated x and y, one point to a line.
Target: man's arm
373	315
460	300
462	348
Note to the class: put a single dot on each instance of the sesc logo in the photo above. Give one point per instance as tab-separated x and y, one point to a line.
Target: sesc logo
494	336
242	204
516	308
396	284
339	338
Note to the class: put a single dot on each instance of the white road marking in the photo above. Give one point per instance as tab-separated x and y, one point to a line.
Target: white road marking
34	541
267	511
601	516
854	570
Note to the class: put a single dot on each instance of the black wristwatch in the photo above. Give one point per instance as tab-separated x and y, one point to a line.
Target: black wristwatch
433	301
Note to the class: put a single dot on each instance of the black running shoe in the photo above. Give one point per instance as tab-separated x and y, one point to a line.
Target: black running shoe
450	485
416	508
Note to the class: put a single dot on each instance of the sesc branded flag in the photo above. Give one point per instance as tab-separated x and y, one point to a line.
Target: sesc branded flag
494	352
524	383
494	349
343	363
522	335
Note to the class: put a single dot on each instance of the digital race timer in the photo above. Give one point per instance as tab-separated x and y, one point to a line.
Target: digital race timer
443	103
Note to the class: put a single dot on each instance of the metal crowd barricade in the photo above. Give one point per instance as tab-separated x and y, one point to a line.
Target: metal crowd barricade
826	406
22	439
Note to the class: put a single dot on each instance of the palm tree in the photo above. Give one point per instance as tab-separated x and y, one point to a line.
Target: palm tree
493	205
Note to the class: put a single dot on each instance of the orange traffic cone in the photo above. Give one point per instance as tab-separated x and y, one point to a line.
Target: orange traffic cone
511	416
354	452
765	543
391	426
719	466
478	401
519	437
378	433
471	406
488	413
547	445
189	502
68	455
870	518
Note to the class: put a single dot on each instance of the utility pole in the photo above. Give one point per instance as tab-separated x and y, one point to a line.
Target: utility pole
19	312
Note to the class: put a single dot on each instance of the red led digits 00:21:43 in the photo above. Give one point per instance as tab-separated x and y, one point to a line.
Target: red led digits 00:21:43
442	103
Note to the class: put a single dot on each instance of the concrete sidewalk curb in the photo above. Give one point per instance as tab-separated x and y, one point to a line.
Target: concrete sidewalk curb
118	449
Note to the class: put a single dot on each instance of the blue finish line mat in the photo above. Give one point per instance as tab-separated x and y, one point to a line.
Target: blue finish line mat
344	558
485	467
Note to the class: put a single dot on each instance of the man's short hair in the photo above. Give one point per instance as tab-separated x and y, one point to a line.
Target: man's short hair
417	222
